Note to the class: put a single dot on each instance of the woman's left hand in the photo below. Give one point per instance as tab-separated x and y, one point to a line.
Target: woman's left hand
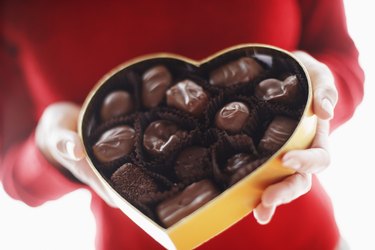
309	161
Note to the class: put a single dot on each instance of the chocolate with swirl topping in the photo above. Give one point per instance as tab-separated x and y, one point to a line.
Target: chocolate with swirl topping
232	117
187	96
275	90
114	144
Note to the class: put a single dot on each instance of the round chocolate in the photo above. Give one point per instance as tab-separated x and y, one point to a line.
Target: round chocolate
192	162
236	162
114	144
277	133
187	96
242	70
133	182
115	104
161	137
155	82
232	117
275	90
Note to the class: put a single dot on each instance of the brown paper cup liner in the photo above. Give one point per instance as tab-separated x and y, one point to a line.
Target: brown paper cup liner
225	148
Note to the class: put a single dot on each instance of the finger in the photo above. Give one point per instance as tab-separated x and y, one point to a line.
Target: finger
65	146
316	158
324	102
325	94
287	190
263	214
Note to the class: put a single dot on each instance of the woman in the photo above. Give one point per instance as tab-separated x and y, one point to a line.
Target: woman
54	52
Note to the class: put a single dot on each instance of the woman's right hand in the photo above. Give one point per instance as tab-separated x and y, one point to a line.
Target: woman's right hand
58	140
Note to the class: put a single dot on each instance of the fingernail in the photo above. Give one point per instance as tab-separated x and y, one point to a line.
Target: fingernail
327	106
291	163
69	150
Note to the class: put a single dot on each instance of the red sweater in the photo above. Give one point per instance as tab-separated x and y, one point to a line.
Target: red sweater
57	50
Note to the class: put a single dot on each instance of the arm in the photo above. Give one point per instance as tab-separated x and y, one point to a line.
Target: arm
334	71
24	172
324	36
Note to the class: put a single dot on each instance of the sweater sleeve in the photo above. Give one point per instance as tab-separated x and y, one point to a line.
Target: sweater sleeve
325	37
24	173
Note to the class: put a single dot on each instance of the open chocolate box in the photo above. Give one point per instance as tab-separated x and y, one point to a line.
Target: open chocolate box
186	147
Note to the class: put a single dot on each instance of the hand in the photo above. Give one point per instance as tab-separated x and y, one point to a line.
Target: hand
59	142
309	161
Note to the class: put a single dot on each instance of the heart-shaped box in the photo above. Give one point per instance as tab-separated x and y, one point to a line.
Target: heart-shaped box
239	199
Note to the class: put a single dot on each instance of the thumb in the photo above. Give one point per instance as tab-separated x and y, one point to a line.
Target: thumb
66	147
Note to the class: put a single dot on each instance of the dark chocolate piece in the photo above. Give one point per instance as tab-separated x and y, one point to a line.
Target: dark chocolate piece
236	162
187	96
192	162
190	199
232	117
242	70
133	182
276	90
277	133
114	144
245	170
155	82
115	104
162	137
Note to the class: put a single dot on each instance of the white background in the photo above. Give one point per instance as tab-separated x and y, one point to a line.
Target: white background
350	180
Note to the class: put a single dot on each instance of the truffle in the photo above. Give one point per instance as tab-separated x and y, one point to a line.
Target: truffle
155	82
277	133
187	96
275	90
232	117
133	182
161	137
115	104
242	70
114	144
190	199
192	162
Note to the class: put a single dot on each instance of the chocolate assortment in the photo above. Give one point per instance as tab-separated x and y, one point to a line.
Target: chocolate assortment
176	135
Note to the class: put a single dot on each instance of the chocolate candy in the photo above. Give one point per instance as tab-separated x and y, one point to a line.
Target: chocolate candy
133	182
232	117
236	162
187	96
277	133
114	144
192	162
155	82
161	137
245	170
242	70
190	199
276	90
115	104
